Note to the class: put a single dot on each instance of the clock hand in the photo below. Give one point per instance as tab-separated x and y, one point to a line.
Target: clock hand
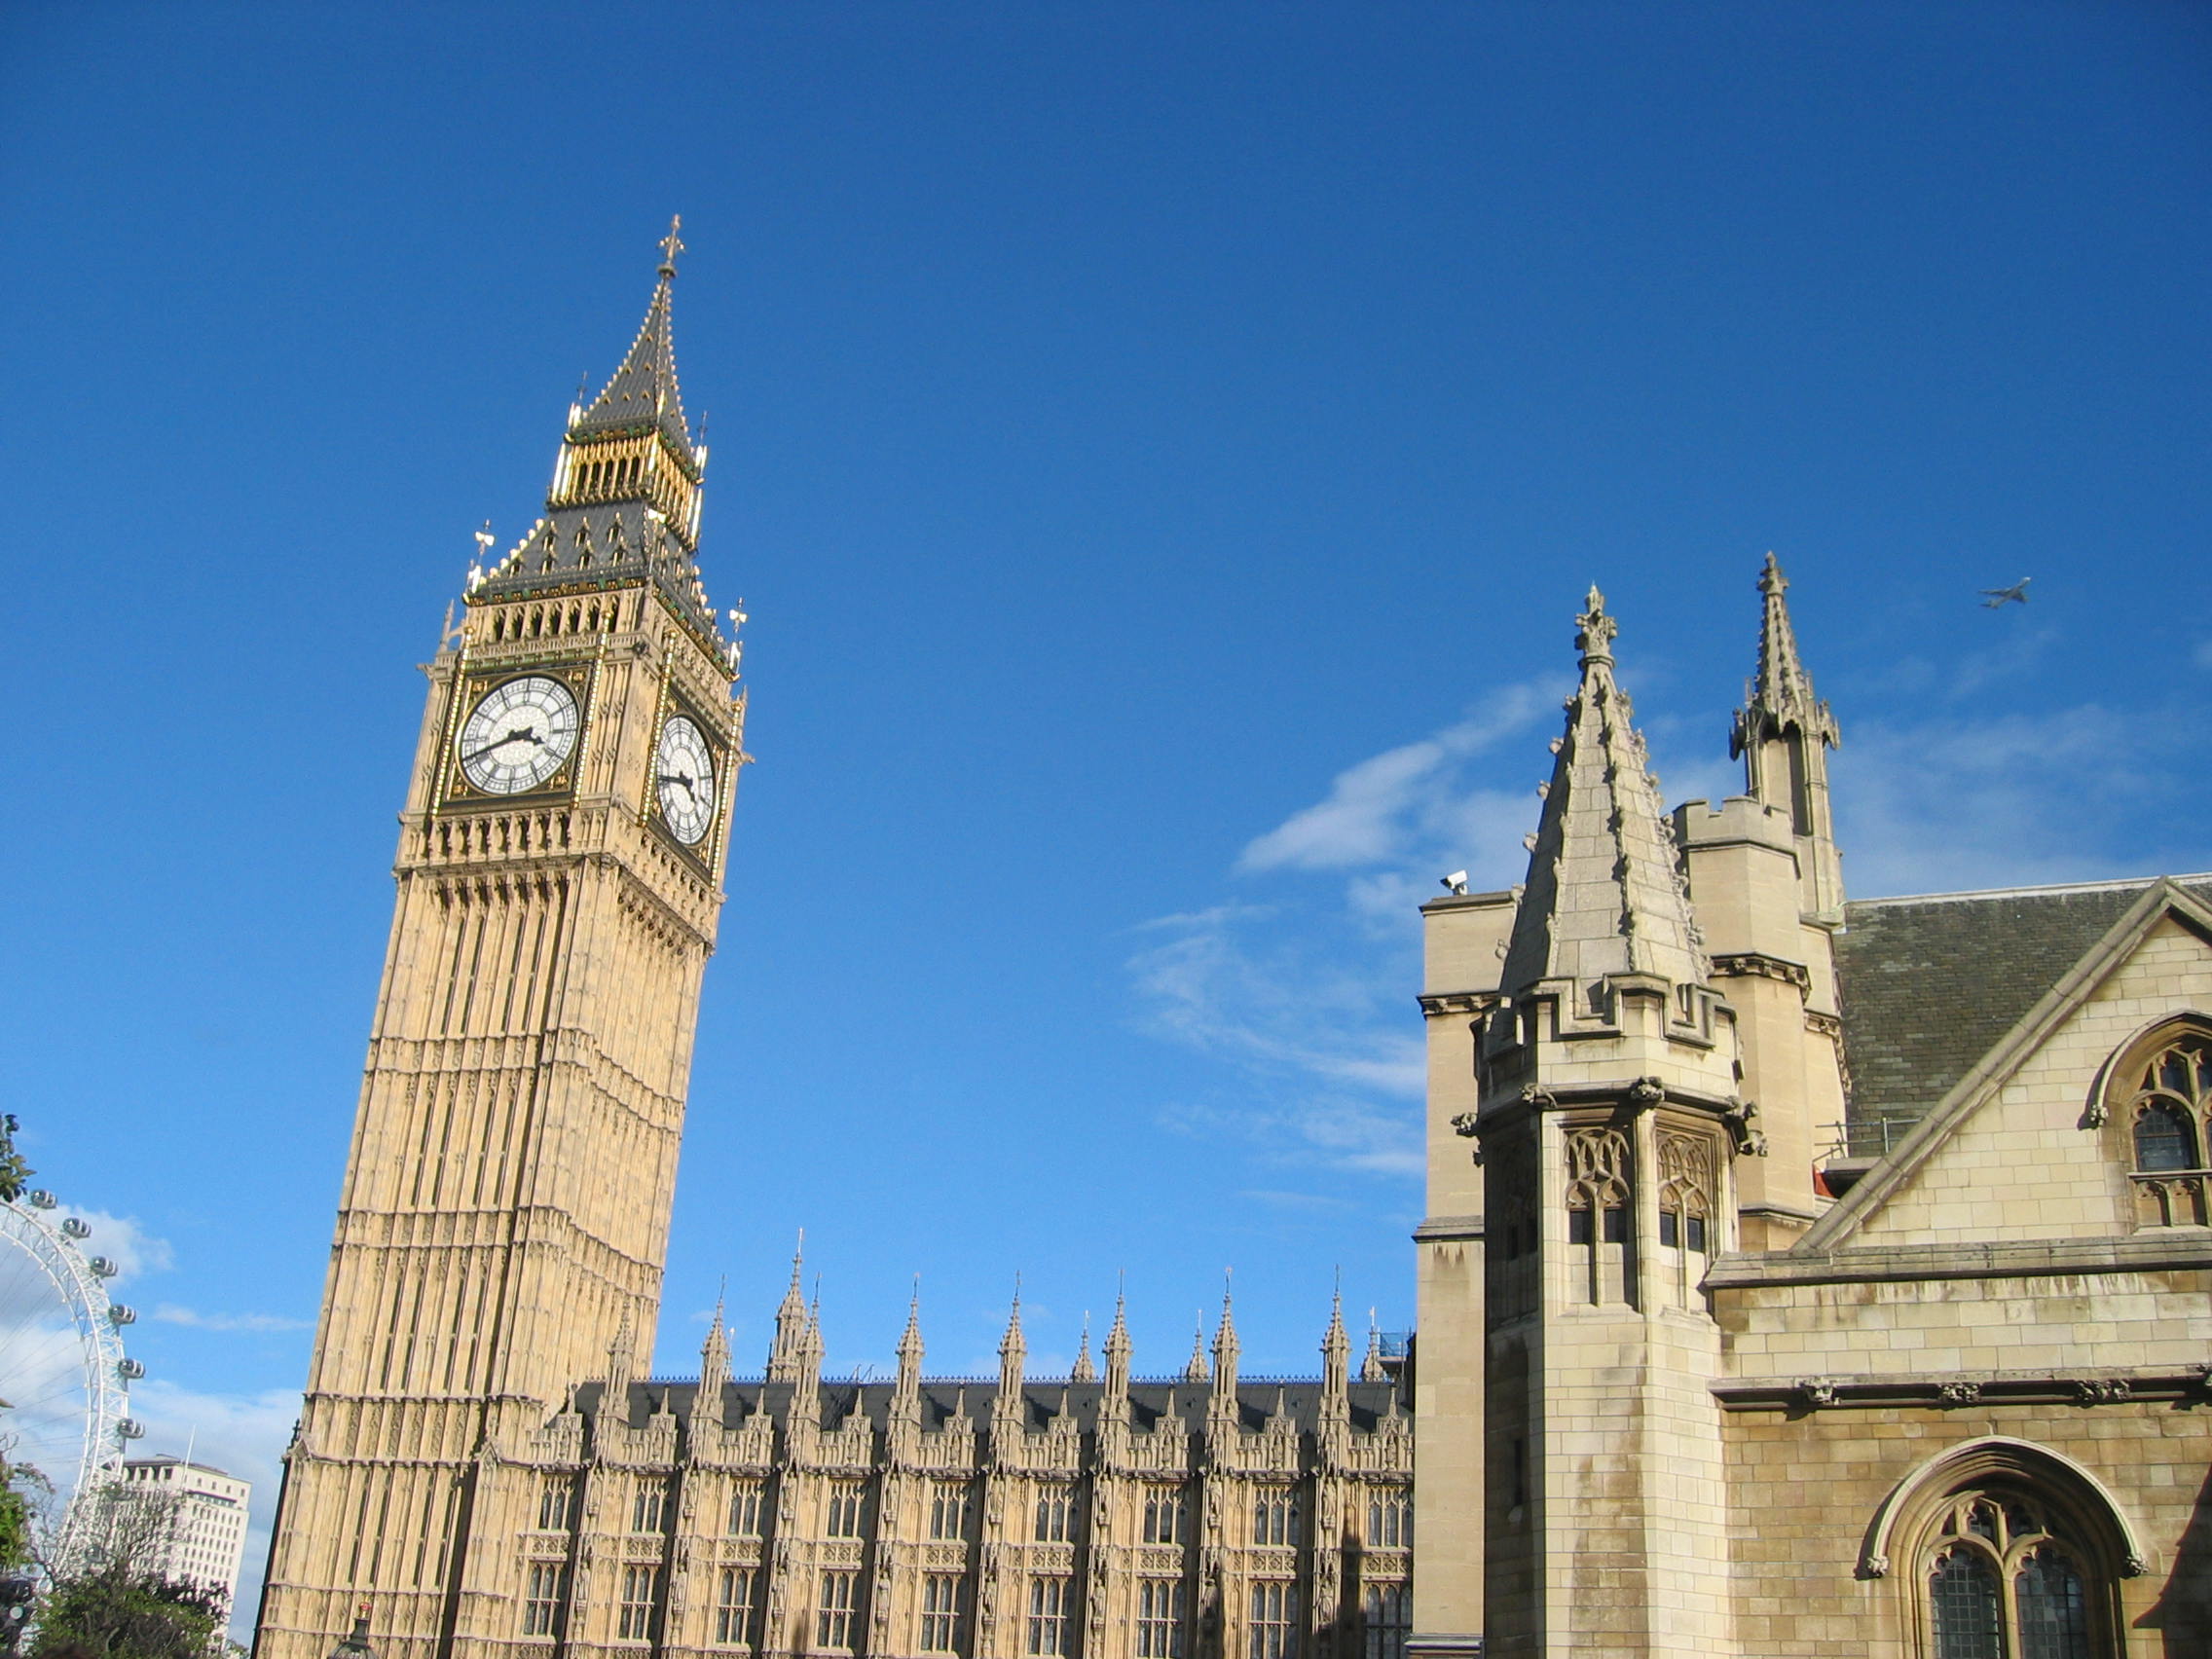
682	780
520	734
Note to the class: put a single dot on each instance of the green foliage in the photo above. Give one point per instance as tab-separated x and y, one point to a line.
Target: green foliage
14	1522
14	1173
115	1613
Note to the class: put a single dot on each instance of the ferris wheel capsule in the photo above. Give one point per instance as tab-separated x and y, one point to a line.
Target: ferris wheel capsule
122	1314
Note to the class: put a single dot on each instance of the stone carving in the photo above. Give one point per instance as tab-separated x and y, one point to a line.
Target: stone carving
1737	1115
1817	1391
1464	1125
2102	1391
1874	1566
1959	1393
1646	1093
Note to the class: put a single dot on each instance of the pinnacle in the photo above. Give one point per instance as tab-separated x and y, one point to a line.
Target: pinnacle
1084	1371
1605	891
1196	1371
1780	697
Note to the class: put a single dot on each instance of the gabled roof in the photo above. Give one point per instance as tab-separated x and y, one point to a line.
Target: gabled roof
2185	899
1928	984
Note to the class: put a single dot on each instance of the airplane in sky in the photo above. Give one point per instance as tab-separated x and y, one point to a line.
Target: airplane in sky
1992	597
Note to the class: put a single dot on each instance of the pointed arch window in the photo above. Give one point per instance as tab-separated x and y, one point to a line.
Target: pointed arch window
2004	1550
2161	1096
1596	1213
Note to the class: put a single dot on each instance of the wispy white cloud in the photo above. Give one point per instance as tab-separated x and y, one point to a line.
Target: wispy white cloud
1305	994
1388	806
170	1314
2070	794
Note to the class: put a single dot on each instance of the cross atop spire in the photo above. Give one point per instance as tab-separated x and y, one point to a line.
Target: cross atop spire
671	246
1605	892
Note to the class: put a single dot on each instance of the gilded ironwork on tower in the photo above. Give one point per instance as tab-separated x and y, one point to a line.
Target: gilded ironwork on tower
504	1216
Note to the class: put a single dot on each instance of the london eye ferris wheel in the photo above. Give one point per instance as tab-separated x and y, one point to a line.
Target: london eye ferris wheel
63	1374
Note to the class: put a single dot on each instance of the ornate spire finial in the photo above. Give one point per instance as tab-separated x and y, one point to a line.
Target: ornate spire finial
1595	630
1772	582
671	246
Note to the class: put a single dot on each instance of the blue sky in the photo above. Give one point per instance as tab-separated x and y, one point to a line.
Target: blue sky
1162	450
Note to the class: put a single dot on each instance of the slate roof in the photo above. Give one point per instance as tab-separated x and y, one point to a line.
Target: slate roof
1928	984
1149	1401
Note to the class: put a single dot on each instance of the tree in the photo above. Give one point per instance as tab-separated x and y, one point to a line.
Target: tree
117	1613
14	1173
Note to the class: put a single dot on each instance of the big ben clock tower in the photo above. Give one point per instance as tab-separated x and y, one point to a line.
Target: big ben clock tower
504	1214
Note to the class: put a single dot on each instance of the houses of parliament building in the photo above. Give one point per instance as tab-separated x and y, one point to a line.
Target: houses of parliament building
1800	1275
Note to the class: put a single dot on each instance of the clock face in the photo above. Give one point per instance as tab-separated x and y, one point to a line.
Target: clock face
683	780
519	735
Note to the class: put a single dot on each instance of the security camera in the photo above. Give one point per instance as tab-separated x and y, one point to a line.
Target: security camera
1455	882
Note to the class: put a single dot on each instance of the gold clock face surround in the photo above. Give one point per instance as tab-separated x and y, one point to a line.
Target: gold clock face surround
684	785
519	734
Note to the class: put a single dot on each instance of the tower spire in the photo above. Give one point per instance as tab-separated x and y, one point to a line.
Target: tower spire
625	497
1605	892
1784	732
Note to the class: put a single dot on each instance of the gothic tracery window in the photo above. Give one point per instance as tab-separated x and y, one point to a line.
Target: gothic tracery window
2003	1584
1597	1212
2164	1101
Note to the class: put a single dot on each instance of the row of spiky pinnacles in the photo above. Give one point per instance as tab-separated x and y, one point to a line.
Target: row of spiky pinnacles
506	1198
1203	1514
1596	1042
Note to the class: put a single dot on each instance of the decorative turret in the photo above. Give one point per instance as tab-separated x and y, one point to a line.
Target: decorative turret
783	1353
906	1397
1196	1371
1084	1371
1226	1348
1608	1107
627	485
1371	1367
1605	896
1784	733
622	1368
1014	1351
1336	1362
714	1369
810	1349
1117	1355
